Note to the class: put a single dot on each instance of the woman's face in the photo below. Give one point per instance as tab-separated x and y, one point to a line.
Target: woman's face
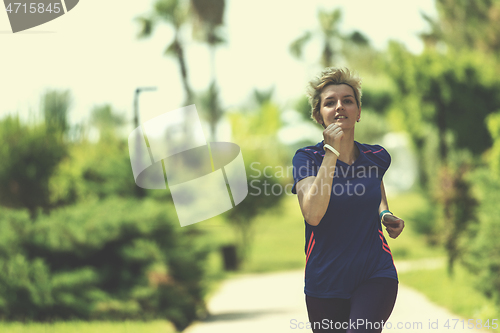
338	105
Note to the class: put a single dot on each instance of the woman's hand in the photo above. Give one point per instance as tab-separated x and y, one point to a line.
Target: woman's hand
333	134
393	224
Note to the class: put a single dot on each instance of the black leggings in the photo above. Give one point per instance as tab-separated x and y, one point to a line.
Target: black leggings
371	303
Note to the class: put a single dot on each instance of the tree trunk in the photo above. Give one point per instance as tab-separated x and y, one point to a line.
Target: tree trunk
182	65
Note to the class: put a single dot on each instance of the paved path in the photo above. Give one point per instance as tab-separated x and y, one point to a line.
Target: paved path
275	303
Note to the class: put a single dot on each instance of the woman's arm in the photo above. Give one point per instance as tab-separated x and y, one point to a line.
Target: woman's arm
394	225
314	192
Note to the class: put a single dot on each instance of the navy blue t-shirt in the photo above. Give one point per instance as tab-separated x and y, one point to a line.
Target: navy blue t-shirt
348	246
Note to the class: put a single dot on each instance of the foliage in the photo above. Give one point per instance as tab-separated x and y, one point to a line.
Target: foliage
302	106
209	15
458	207
334	43
465	25
447	94
256	133
55	107
93	171
482	251
106	120
442	101
207	24
174	13
110	259
371	127
493	123
209	103
29	155
377	100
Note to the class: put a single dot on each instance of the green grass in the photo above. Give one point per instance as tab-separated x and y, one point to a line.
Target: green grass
457	294
278	239
160	326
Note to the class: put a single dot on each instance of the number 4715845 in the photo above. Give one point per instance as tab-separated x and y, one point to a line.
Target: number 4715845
34	8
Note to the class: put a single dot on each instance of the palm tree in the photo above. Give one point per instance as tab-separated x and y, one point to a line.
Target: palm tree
55	106
106	120
208	20
333	40
174	13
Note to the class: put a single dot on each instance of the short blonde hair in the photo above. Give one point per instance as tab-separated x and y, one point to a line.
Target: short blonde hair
328	76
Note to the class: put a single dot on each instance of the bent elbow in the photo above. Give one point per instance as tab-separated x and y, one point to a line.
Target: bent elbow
313	223
313	220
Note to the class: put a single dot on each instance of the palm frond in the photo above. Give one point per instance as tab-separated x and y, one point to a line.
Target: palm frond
210	12
171	49
329	21
146	25
298	45
358	38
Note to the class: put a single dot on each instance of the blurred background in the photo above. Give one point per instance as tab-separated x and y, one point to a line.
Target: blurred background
83	249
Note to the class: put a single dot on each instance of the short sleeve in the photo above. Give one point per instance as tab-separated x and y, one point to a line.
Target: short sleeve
384	159
304	166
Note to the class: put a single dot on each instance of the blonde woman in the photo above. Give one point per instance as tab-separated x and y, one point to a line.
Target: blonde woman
351	281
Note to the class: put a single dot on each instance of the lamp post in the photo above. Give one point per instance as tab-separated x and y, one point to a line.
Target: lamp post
139	190
136	103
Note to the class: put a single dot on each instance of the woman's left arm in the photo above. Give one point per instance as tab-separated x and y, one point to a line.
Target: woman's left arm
394	225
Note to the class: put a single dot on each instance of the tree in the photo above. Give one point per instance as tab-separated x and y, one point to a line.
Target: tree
29	158
253	131
174	13
55	106
465	25
208	20
334	42
442	101
106	121
451	94
481	253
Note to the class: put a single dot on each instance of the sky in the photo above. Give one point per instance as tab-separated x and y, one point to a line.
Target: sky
93	51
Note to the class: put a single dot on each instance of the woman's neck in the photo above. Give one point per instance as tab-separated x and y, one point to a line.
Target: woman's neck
348	150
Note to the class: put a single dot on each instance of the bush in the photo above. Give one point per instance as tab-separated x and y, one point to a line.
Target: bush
483	249
29	155
111	259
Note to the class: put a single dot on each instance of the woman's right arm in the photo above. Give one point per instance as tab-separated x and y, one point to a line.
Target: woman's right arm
314	192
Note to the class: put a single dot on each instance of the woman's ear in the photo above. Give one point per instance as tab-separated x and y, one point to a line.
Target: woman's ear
321	122
319	119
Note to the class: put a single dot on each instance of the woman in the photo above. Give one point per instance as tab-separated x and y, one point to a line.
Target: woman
351	282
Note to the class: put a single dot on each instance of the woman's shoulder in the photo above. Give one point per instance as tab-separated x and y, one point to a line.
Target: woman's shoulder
309	154
316	149
374	149
376	152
